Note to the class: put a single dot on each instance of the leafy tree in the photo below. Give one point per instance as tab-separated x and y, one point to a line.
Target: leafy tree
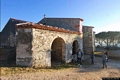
100	38
109	38
117	39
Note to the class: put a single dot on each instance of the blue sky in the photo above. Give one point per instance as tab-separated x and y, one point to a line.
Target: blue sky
104	15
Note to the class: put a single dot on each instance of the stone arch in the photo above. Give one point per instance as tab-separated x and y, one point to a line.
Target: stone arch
75	47
58	49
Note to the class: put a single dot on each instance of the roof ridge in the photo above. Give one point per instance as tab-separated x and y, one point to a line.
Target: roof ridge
63	18
18	19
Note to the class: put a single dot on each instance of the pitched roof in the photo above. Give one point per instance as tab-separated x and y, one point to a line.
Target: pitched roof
64	18
88	26
18	20
13	21
44	27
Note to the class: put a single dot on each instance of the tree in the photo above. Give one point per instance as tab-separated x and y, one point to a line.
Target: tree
100	38
117	39
109	38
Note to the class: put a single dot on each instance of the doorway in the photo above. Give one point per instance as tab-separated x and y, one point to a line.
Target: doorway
58	51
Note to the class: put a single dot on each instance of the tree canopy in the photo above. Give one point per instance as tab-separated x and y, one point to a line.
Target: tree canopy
109	38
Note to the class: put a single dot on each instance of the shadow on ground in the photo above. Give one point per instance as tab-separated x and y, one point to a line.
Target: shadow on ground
87	67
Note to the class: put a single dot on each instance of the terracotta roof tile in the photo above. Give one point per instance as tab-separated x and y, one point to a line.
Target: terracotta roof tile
44	27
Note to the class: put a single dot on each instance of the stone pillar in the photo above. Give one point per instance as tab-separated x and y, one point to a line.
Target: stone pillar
88	39
80	26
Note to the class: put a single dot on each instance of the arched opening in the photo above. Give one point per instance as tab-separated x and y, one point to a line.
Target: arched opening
58	51
75	47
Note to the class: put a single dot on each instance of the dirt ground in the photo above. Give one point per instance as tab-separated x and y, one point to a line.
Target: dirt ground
89	72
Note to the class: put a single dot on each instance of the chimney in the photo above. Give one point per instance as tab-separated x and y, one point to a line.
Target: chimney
44	16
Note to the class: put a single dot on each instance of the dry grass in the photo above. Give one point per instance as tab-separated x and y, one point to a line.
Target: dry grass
14	70
112	55
98	53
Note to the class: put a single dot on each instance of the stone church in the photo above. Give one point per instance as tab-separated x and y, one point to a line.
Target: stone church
51	40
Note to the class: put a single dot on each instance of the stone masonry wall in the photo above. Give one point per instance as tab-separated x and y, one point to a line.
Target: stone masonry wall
24	47
42	42
74	24
88	40
34	46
